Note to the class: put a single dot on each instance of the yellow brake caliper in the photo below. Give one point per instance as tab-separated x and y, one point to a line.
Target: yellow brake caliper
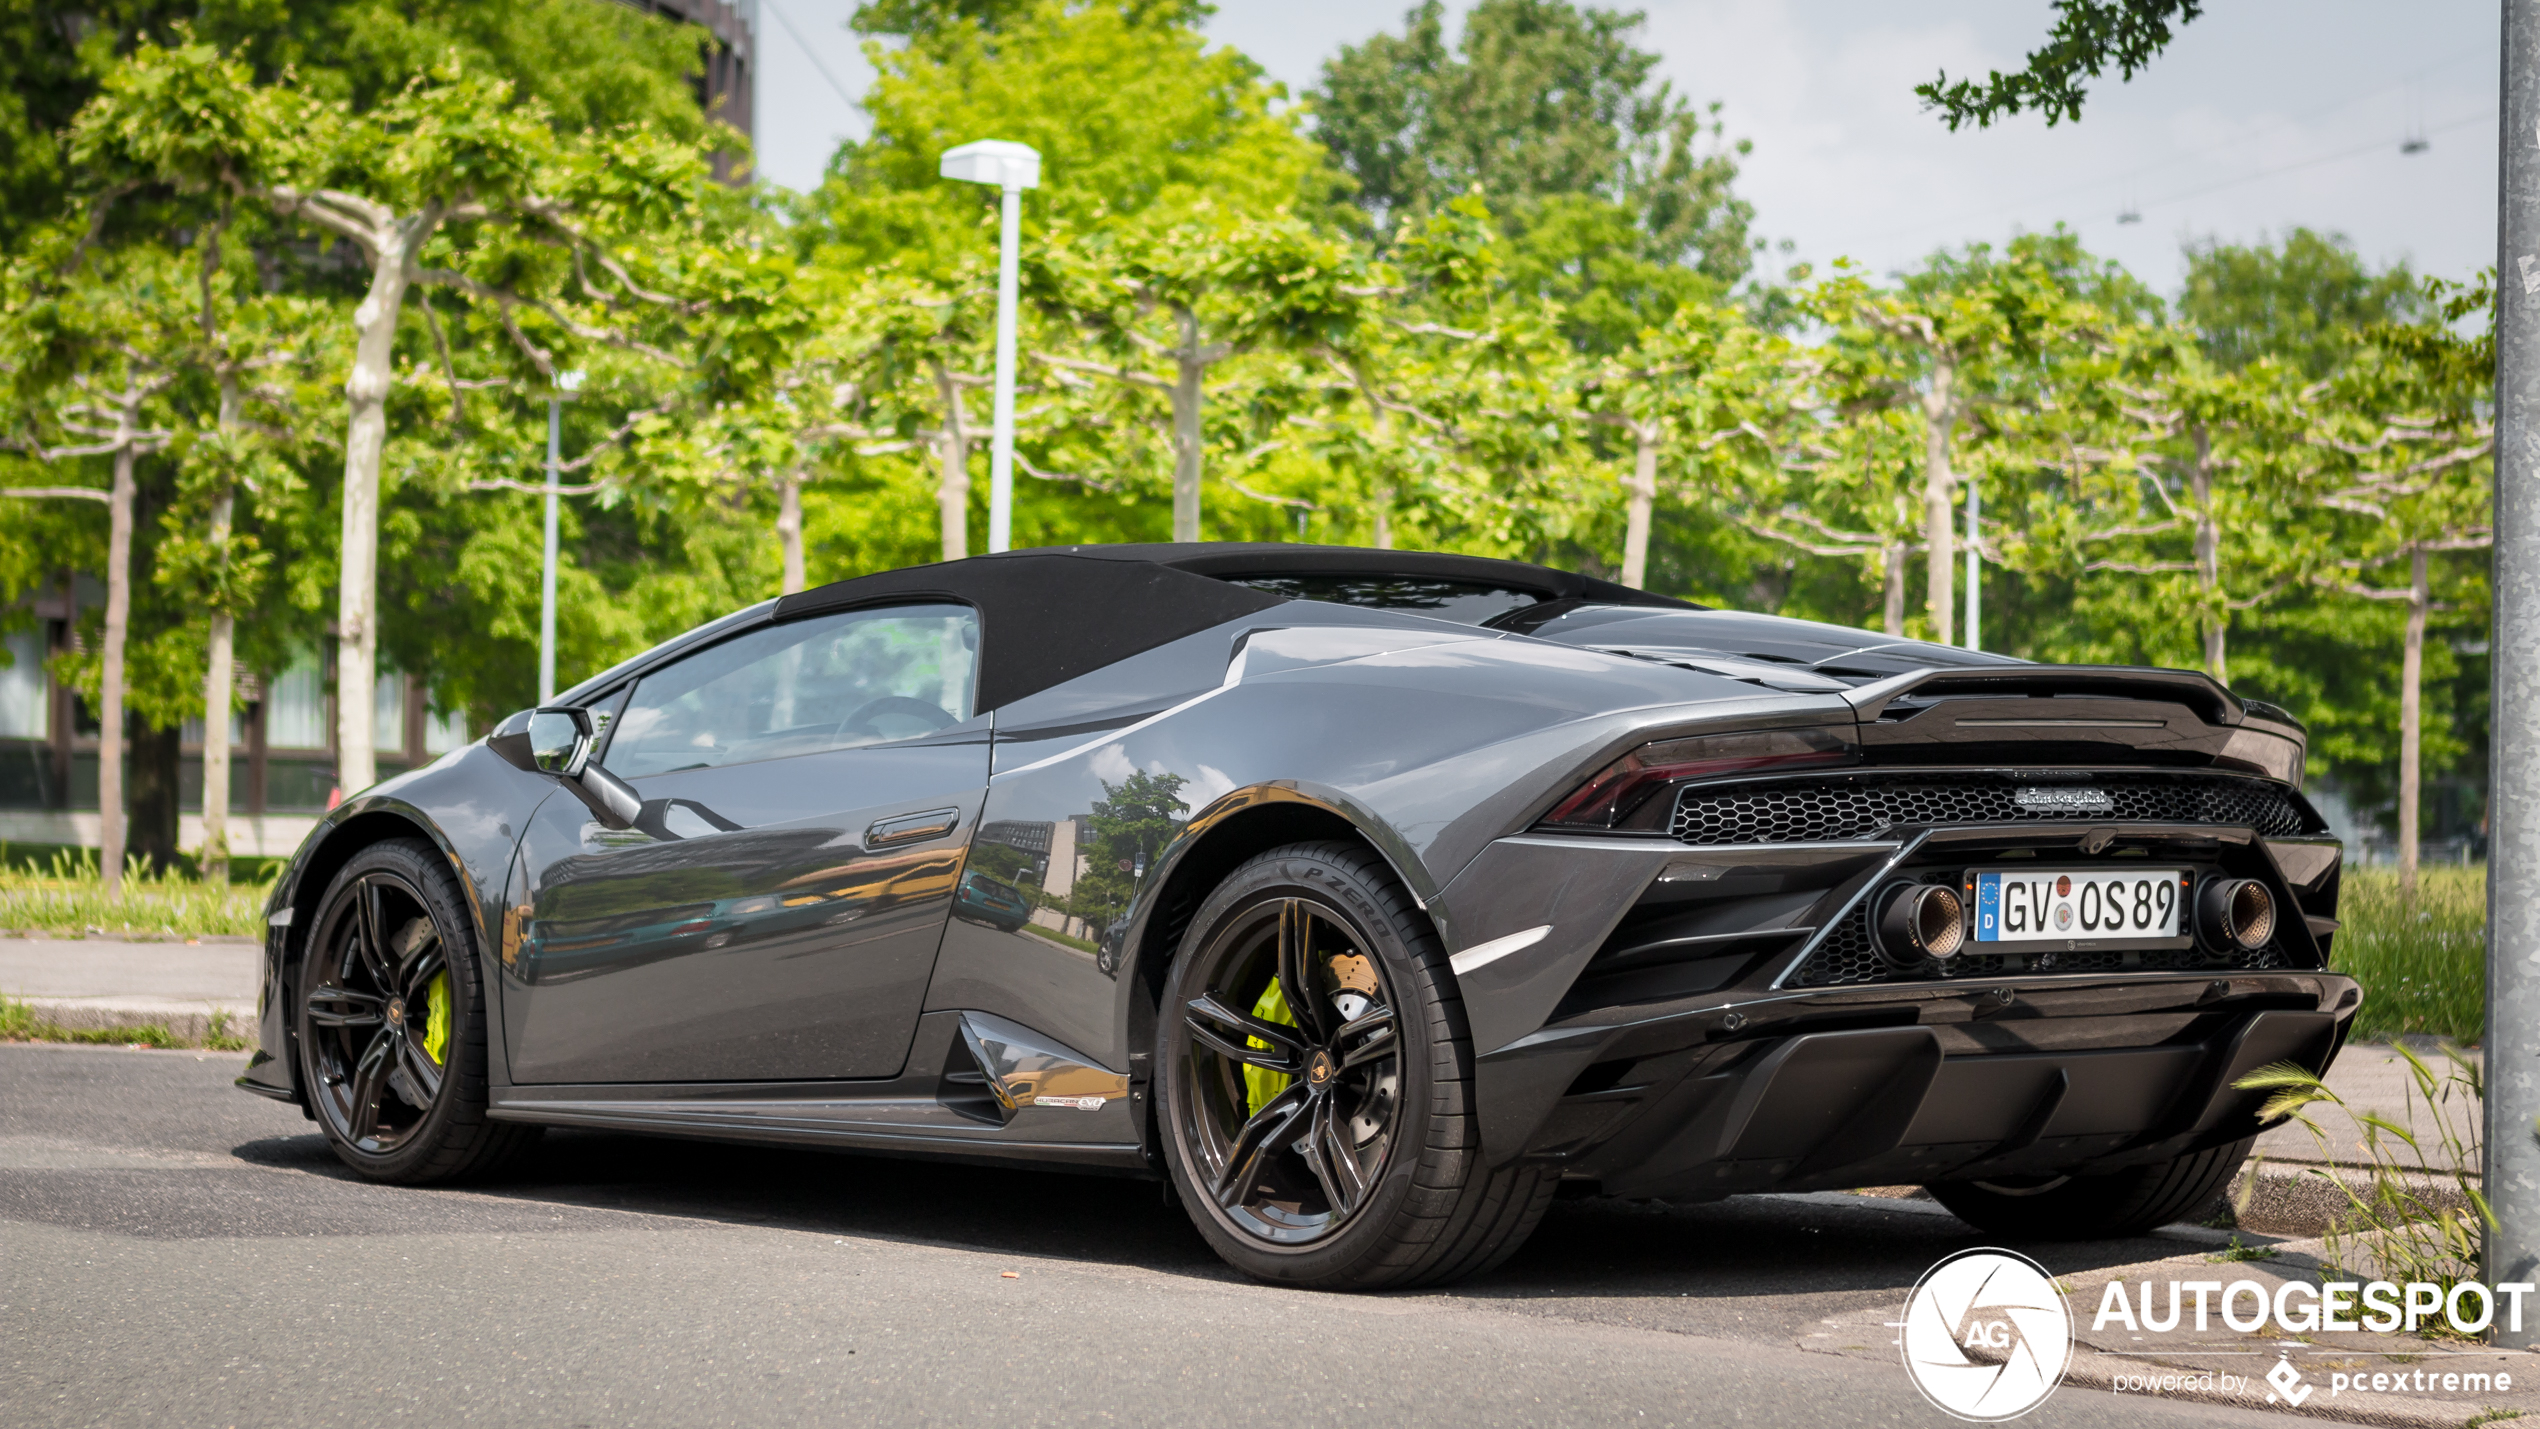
1260	1083
436	1018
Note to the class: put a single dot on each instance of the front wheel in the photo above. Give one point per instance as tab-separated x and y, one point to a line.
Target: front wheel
1316	1089
391	1022
2119	1203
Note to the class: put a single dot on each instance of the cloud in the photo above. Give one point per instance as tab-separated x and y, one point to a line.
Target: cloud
1111	764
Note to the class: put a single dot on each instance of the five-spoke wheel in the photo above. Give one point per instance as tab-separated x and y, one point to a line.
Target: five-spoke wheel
1314	1087
391	1024
1293	1069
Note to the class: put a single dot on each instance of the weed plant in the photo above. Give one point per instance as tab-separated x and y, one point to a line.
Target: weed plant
62	895
2402	1223
2423	964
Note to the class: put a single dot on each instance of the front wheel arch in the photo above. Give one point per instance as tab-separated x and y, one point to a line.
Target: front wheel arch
311	874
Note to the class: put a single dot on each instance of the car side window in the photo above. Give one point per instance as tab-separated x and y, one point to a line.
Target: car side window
830	682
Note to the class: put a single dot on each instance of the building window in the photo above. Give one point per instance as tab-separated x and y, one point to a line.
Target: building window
295	707
25	712
444	732
388	714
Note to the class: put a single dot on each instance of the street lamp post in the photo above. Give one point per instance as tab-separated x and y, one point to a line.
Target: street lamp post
567	383
1013	168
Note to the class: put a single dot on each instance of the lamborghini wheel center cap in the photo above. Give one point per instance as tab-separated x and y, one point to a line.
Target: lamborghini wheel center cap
396	1009
1319	1068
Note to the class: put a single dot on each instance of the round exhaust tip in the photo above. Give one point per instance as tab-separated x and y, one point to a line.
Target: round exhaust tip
1922	920
2236	913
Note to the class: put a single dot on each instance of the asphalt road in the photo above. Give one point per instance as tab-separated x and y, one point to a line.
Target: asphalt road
173	1251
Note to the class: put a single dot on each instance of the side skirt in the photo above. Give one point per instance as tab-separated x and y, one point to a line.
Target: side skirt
975	1089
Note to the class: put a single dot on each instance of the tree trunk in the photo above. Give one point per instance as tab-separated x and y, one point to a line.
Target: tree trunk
155	764
952	455
1384	518
110	741
1186	428
2209	559
2411	722
789	527
1892	566
219	678
1640	505
392	271
1940	419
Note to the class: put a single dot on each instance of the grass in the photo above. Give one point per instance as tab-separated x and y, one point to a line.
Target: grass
2423	965
61	895
19	1023
2402	1225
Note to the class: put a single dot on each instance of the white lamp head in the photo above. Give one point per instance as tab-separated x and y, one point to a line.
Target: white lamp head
569	381
994	161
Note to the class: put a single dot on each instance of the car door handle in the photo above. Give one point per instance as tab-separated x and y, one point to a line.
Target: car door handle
904	828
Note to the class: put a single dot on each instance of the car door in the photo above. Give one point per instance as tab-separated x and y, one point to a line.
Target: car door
809	791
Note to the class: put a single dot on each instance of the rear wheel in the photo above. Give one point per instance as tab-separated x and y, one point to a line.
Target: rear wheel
391	1022
1315	1085
2120	1203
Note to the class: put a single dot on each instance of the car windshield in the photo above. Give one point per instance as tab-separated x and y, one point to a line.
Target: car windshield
1464	602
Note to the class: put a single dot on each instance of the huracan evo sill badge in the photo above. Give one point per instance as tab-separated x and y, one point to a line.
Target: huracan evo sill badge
2063	799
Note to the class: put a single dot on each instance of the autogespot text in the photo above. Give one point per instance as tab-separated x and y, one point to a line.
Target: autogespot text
2300	1308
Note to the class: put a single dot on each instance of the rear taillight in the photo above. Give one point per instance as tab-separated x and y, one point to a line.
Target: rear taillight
1623	786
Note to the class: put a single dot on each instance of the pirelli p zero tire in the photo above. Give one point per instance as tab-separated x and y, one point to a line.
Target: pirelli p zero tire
391	1024
1315	1084
2120	1203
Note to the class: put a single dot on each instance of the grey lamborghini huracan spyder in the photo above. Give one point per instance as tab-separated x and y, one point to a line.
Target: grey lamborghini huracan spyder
1371	897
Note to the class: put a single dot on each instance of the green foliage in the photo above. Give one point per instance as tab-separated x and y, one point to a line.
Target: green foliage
2422	961
2089	35
2301	300
1130	117
1538	100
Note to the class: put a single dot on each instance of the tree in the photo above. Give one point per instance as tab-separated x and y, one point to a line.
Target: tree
1132	114
89	357
1704	385
1164	305
1960	345
1539	100
2301	300
539	219
2089	35
2410	478
592	65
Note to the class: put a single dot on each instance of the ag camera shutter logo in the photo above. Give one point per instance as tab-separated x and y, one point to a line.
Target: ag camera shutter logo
1987	1336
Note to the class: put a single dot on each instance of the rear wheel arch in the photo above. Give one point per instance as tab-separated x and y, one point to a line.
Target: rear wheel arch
1274	818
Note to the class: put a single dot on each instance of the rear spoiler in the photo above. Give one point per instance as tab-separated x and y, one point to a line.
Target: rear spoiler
2191	688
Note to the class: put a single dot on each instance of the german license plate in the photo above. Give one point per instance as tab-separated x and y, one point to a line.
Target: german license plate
2059	905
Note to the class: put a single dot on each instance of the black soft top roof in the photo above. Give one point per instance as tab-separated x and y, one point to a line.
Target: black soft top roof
1050	614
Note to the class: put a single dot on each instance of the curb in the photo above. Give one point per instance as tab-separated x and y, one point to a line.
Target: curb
185	1021
2297	1198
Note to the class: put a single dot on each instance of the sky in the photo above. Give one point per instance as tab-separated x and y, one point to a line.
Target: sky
2263	115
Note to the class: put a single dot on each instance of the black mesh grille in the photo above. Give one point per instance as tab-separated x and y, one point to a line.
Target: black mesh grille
1848	958
1856	807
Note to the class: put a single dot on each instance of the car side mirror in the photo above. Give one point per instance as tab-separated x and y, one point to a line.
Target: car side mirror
558	741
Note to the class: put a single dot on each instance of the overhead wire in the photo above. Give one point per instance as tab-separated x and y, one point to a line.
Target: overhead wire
808	52
2119	176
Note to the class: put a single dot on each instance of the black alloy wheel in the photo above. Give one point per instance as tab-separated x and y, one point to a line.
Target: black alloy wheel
1315	1087
391	1024
1294	1069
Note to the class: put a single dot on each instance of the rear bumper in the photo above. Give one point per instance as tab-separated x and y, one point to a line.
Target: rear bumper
1908	1084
